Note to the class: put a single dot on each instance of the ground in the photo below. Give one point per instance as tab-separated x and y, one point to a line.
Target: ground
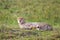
33	11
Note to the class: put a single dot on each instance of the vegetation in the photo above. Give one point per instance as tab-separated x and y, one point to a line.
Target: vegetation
33	11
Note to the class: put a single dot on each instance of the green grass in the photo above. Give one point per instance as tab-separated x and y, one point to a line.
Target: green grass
33	11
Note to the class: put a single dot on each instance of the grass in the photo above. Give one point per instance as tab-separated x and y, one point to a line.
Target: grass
18	34
33	11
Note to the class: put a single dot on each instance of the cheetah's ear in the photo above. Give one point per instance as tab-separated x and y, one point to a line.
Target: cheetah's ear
20	18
